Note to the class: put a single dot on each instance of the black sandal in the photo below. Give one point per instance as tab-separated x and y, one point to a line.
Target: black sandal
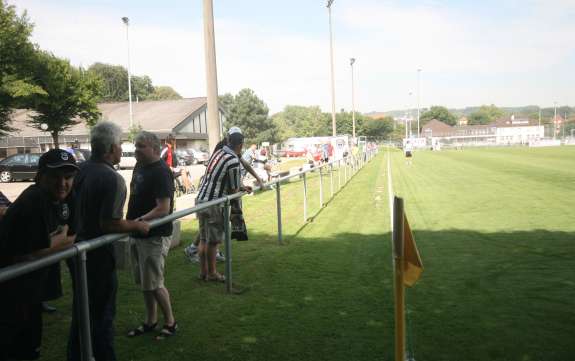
142	329
167	331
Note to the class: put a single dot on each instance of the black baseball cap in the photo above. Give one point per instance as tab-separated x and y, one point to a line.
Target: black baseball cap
56	158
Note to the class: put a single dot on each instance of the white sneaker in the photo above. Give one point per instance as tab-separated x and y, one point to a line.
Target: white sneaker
191	251
220	257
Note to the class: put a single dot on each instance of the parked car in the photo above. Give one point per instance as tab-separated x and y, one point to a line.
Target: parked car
128	159
185	157
199	156
81	155
295	153
19	167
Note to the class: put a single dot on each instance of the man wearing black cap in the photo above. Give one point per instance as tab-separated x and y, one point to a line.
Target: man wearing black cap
36	224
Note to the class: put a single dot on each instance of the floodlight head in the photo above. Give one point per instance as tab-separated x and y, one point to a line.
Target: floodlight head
329	2
351	61
126	20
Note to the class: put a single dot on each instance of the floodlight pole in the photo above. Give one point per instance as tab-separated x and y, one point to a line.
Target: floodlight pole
333	123
214	129
555	120
351	61
126	21
418	98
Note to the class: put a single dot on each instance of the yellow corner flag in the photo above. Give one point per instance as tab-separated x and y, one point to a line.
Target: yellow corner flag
412	266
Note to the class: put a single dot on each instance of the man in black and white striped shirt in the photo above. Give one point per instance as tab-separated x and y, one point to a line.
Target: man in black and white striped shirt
222	177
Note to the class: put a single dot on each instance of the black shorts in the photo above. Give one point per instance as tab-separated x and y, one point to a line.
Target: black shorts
408	154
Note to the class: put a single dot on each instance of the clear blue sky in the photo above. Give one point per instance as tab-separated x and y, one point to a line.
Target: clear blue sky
506	52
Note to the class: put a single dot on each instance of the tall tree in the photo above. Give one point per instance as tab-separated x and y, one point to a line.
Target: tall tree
377	128
17	57
142	87
485	115
300	121
114	81
70	95
439	113
164	93
250	113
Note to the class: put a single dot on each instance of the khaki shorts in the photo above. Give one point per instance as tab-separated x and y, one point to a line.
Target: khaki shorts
148	261
212	225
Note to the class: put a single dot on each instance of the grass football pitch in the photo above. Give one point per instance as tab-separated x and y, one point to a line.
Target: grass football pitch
495	229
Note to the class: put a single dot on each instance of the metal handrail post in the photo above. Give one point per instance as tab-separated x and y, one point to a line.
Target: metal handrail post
304	198
320	188
83	307
228	246
339	174
331	179
279	212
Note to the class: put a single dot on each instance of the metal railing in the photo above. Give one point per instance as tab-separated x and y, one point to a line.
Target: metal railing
79	250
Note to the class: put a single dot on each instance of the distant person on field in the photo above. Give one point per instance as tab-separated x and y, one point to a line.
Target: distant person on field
408	150
38	223
151	197
100	197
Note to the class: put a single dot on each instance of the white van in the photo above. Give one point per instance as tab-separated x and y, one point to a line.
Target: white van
128	159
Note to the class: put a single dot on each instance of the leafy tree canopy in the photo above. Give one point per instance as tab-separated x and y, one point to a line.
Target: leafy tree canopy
70	94
17	58
377	128
115	85
485	115
250	113
164	93
301	121
437	112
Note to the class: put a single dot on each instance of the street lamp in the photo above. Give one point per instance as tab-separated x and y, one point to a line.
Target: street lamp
418	95
410	116
333	125
127	23
351	61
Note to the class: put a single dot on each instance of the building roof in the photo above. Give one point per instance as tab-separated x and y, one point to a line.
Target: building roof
155	116
436	126
160	116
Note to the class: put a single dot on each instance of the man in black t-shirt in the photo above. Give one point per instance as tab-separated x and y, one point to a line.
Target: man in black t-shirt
100	197
38	223
151	197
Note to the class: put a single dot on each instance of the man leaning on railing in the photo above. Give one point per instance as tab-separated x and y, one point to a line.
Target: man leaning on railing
100	197
38	223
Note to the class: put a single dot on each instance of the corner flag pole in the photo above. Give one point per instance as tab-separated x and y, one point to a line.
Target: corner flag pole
398	249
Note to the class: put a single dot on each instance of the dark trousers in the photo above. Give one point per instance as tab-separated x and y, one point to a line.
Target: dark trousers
102	287
20	331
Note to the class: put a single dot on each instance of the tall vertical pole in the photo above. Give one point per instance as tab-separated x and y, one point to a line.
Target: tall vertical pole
418	98
398	220
214	129
331	179
304	198
228	246
320	188
539	116
352	60
83	307
555	120
333	124
127	22
279	212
